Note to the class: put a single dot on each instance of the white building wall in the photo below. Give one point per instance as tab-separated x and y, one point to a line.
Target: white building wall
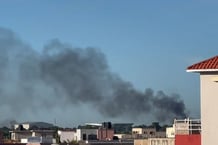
80	132
67	136
78	135
13	137
24	140
25	126
209	106
137	130
16	126
170	132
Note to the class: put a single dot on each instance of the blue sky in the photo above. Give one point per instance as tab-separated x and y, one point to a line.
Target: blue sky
148	43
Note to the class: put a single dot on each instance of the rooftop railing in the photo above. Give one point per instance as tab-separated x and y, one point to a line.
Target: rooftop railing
187	126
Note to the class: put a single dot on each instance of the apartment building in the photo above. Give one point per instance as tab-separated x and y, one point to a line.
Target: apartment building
153	131
33	132
86	134
208	70
187	131
66	136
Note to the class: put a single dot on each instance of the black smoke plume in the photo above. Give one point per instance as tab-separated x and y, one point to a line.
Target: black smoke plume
60	73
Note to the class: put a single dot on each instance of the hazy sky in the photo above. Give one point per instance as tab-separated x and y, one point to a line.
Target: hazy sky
146	43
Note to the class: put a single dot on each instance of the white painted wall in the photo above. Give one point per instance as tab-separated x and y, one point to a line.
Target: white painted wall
25	126
137	130
209	108
170	132
80	132
24	140
67	136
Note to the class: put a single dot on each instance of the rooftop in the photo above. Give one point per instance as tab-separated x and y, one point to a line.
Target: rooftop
210	64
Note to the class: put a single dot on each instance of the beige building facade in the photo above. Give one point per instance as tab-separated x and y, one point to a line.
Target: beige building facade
137	130
209	106
147	133
208	70
170	132
155	141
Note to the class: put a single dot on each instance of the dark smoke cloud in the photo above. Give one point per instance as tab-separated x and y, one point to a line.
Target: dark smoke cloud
61	75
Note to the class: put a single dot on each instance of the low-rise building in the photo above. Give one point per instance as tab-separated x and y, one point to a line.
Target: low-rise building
67	136
122	128
187	132
155	141
187	126
32	125
33	132
170	132
208	70
86	134
105	133
46	136
147	132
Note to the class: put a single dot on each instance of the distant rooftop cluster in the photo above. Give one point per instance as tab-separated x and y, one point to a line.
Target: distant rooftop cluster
91	133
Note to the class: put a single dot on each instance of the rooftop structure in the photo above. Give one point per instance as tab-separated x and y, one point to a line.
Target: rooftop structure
210	64
32	125
187	126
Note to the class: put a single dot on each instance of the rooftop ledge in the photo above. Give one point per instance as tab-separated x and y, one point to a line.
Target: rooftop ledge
202	70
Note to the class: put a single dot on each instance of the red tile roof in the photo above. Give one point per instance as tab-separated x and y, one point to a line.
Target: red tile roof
210	64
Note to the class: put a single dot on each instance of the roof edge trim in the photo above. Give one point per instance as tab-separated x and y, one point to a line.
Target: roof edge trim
202	70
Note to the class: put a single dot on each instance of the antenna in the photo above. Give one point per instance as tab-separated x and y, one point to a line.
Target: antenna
55	121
